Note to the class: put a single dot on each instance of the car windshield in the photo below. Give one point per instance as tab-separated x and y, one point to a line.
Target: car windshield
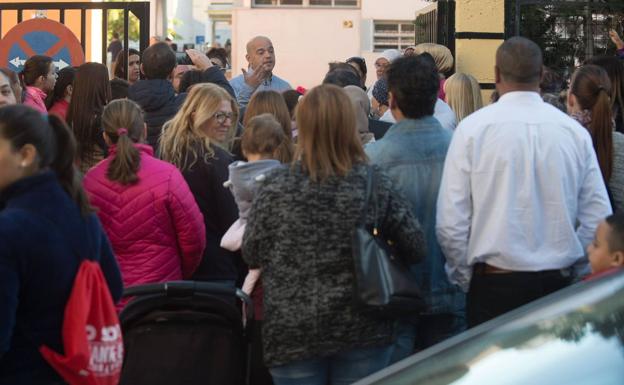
573	337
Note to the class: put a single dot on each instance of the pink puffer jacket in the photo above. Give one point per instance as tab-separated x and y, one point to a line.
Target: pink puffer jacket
155	227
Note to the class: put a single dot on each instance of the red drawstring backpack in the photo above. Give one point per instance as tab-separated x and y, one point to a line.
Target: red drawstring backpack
91	333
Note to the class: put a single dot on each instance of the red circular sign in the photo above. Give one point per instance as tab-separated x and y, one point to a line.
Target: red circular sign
40	37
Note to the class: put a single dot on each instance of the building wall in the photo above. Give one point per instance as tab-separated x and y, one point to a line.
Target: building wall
477	56
307	39
395	10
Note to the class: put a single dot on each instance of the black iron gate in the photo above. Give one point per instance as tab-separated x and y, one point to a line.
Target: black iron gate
568	31
140	9
437	25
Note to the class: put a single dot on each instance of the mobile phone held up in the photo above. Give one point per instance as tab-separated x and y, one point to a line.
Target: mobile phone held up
182	58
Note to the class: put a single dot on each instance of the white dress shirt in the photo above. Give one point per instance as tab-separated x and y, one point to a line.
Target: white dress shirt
441	111
521	190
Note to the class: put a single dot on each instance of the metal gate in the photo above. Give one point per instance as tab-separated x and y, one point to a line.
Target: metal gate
140	9
568	31
436	24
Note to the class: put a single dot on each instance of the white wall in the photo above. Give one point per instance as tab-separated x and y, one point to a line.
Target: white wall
191	17
305	40
395	10
391	9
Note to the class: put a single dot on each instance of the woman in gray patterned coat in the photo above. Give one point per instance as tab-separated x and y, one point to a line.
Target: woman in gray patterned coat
299	233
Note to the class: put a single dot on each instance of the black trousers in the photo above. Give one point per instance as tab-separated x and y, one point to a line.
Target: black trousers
491	295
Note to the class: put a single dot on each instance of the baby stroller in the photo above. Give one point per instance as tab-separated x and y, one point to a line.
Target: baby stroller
185	332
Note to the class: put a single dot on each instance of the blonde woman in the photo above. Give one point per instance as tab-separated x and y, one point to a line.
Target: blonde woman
463	95
299	232
193	141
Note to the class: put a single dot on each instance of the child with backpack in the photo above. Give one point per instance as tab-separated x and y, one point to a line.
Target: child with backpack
265	145
51	244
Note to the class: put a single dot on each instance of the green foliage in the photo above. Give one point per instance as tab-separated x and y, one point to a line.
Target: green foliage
171	33
116	24
568	33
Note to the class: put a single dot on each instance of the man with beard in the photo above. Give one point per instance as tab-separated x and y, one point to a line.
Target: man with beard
259	75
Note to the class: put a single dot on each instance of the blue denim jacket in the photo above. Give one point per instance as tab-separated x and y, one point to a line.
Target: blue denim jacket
412	152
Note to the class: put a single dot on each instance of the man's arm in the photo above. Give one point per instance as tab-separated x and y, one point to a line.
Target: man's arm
454	212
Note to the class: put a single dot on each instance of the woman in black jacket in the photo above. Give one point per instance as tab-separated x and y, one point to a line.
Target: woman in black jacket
46	226
194	141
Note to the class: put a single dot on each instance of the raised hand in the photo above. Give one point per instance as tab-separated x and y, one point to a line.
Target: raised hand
615	38
255	78
200	60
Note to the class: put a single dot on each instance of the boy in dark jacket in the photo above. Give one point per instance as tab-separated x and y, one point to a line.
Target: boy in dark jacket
156	94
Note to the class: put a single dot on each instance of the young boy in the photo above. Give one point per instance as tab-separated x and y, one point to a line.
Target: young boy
606	252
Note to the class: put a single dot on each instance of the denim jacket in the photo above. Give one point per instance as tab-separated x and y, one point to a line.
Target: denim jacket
412	152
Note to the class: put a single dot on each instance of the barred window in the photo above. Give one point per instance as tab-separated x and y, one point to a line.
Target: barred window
393	34
307	3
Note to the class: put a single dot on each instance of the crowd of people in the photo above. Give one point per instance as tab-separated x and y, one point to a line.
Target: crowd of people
169	172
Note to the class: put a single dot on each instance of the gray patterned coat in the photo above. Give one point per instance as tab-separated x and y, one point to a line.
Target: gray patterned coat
299	233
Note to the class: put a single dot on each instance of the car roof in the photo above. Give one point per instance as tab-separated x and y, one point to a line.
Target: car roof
585	318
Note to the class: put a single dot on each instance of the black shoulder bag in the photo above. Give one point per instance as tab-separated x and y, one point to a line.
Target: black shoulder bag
384	285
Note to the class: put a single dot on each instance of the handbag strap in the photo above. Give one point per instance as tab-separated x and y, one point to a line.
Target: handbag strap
370	197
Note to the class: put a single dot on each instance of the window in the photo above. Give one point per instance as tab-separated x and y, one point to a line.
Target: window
277	3
334	3
393	34
307	3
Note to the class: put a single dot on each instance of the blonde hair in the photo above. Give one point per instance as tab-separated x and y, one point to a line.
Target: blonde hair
442	55
463	94
264	136
271	102
122	121
328	143
182	134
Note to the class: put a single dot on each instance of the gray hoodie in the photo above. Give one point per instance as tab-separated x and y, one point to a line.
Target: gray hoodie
244	181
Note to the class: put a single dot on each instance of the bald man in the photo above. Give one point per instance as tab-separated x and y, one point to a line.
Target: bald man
521	193
259	73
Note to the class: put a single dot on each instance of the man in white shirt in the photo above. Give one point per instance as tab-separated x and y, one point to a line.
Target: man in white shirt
521	193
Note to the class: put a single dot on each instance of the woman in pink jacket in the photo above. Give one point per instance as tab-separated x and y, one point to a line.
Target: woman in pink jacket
147	210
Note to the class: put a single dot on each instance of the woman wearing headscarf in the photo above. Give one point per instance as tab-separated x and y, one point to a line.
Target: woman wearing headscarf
443	59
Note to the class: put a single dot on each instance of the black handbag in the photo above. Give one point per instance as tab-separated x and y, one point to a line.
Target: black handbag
384	285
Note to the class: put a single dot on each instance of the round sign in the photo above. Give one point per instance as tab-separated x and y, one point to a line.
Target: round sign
40	37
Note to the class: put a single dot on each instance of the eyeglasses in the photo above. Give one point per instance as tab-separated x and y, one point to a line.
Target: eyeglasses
221	117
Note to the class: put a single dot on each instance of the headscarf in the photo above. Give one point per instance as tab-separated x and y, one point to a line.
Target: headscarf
442	55
380	91
391	55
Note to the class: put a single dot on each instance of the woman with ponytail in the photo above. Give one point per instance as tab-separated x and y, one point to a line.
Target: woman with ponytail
589	103
38	78
615	69
46	225
155	227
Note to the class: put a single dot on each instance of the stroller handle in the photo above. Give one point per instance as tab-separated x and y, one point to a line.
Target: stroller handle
189	288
